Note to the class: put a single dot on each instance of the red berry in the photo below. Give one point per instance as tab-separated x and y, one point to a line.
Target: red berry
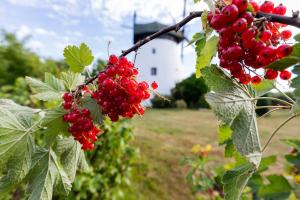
256	80
68	96
271	74
241	4
230	12
286	34
267	7
285	75
279	10
255	6
265	35
154	85
217	22
113	59
249	34
248	16
284	50
67	105
240	25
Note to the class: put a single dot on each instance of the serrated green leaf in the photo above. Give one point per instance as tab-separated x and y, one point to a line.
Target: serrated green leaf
236	179
293	143
71	156
297	37
197	37
279	188
266	162
225	133
264	87
17	123
95	109
231	104
51	89
78	57
54	124
71	80
46	175
207	53
288	61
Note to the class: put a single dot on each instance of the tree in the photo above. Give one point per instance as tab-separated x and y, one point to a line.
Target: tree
191	90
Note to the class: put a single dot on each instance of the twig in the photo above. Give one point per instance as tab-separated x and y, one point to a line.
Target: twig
262	107
269	112
278	128
293	21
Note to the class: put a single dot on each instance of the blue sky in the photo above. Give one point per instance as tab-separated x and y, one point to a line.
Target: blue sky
53	24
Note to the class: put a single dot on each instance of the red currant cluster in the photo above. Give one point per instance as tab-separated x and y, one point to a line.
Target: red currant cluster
247	43
81	123
119	93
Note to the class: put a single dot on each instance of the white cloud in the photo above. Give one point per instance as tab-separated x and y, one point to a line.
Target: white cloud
23	32
35	45
41	31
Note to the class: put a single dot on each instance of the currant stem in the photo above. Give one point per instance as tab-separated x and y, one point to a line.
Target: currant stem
278	128
261	107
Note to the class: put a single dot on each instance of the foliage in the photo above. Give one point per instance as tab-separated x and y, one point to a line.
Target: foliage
167	102
17	61
110	165
190	90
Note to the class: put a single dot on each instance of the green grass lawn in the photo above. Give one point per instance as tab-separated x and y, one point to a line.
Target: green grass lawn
164	137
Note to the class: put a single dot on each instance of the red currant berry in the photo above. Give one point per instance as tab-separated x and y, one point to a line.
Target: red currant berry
284	50
287	34
255	6
265	35
67	96
113	59
271	74
267	7
241	4
230	12
67	105
256	80
279	10
240	25
285	75
154	85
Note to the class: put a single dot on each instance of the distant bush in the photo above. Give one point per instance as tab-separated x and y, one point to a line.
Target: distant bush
159	102
191	90
180	104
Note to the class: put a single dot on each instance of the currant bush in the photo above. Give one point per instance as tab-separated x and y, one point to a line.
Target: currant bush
248	45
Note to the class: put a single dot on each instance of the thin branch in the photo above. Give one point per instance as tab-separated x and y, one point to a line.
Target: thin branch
269	112
278	128
262	107
283	93
293	21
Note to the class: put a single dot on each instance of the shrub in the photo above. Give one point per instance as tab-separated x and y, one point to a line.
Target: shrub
191	90
181	104
159	102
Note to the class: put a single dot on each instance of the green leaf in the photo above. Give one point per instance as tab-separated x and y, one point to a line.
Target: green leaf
55	124
294	159
196	1
288	61
236	179
230	102
95	109
71	80
265	163
46	175
293	143
205	24
297	37
264	87
296	84
71	156
197	37
279	188
51	89
225	133
229	149
17	123
78	57
207	53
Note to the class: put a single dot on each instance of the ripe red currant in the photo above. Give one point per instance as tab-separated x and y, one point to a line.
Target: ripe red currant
154	85
285	75
271	74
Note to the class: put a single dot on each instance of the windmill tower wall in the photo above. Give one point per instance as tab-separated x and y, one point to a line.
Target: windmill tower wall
159	60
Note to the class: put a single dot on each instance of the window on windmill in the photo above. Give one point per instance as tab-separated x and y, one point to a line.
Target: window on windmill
153	51
153	71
